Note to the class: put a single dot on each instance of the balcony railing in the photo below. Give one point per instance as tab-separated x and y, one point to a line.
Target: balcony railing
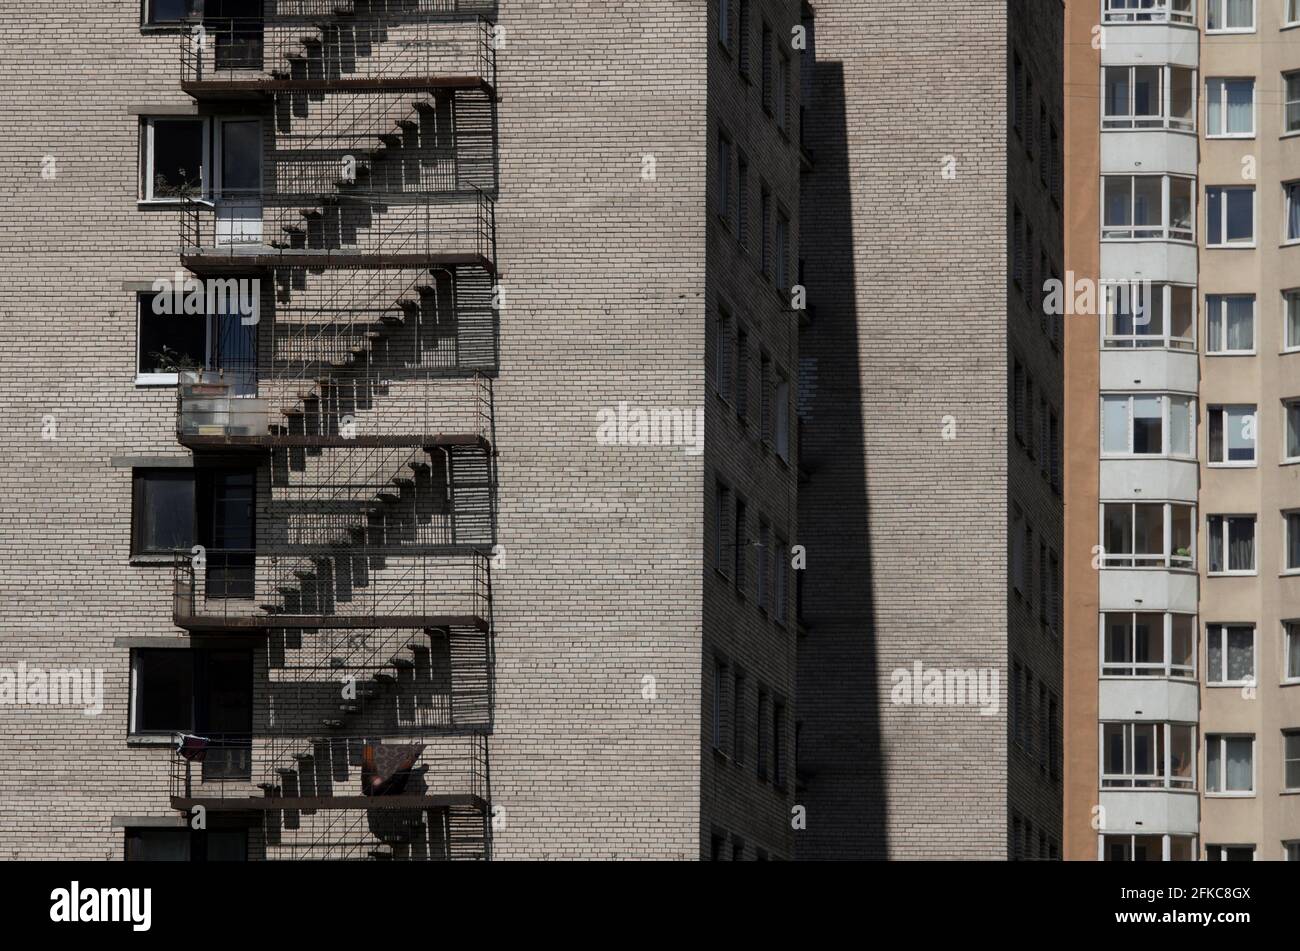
334	586
255	56
359	229
292	775
318	9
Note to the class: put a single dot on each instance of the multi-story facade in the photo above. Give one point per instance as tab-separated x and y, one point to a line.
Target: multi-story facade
931	407
410	551
1182	719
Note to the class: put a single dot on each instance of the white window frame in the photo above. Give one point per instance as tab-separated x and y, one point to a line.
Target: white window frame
1225	411
1218	630
1128	670
1163	780
147	159
1221	739
1164	119
1160	11
1254	851
1290	732
1287	405
1223	81
1286	541
147	19
169	379
1223	6
1164	560
1163	230
1223	216
1109	292
1290	194
1286	102
1219	348
1166	853
1287	625
1290	300
1166	426
1224	519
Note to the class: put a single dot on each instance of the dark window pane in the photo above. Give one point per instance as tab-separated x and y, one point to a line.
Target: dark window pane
169	11
164	691
169	343
158	845
164	510
177	156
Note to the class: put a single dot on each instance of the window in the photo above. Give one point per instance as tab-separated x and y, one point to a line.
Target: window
1229	215
1149	97
1148	425
1149	11
1292	15
1291	525
738	718
717	842
722	353
778	744
1054	435
1140	314
1291	317
1148	534
1229	655
721	527
1292	435
1229	853
1017	93
1057	160
782	251
1230	323
761	752
780	91
763	558
1019	553
1291	760
174	160
1292	848
186	845
1058	588
1231	438
1148	756
162	517
1230	16
1229	765
740	543
1231	544
724	176
1291	650
765	398
1230	108
1146	207
1148	848
1148	644
1291	195
177	690
719	700
1019	251
1019	394
742	38
1044	145
742	200
780	578
724	23
1291	100
1053	738
167	344
171	11
742	373
782	420
766	54
765	219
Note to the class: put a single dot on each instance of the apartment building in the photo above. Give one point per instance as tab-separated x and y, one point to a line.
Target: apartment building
355	352
1182	651
930	412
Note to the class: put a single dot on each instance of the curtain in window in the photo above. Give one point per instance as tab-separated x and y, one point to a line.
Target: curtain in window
1293	212
1292	541
1241	544
1241	319
1214	655
1216	544
1241	654
1239	764
1241	103
1293	651
1180	426
1241	14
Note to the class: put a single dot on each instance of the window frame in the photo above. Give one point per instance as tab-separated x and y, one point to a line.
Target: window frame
1219	630
1220	348
1161	11
1164	229
1214	31
1222	97
1221	847
178	473
1109	298
1166	425
1225	520
1164	780
1290	302
145	193
1290	201
1290	733
1290	654
1287	76
1112	670
1164	560
1225	411
1129	122
1224	191
148	21
1221	740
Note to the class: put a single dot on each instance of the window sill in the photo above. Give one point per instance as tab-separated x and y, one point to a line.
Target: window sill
1232	465
1241	246
1232	574
148	560
1231	353
150	740
1229	685
1230	795
157	379
1231	137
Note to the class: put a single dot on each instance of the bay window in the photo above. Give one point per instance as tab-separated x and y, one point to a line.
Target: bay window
1230	323
1230	108
1230	765
1148	756
1232	435
1149	97
1230	544
1142	314
1146	207
1147	424
1148	534
1148	848
1148	644
1229	655
1229	215
1149	11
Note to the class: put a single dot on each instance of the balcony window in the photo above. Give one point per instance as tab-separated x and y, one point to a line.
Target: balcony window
1146	207
1230	216
1148	644
1291	97
1147	425
1148	848
1230	108
1230	323
1230	765
1231	544
1230	16
1149	315
1229	655
1291	760
1149	97
1232	435
1148	535
1148	756
1291	650
1291	199
1149	11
